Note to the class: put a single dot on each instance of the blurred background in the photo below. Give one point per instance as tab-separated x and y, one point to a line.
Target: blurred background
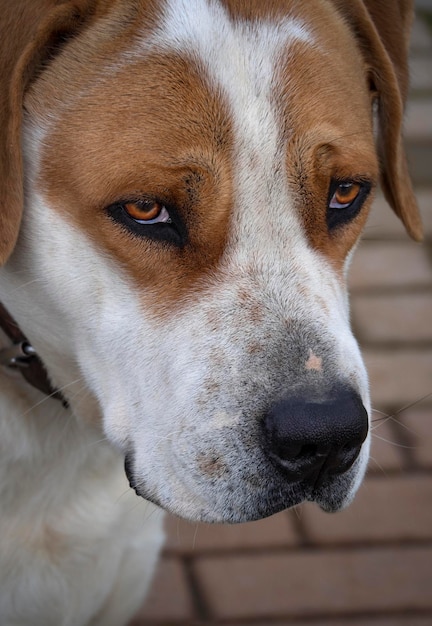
371	564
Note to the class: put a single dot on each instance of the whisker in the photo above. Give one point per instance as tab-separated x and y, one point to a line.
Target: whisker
24	285
168	436
386	417
393	443
297	511
51	395
411	404
379	466
380	412
98	441
195	537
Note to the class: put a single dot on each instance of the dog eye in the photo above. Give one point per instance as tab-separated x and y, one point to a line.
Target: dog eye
345	200
147	212
344	195
150	218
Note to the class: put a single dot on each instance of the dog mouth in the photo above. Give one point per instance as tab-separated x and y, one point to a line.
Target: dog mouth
241	501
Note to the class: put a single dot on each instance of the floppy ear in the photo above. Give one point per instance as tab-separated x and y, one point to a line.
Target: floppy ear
382	28
32	32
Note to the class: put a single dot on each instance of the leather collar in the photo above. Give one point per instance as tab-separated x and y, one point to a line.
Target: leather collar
22	356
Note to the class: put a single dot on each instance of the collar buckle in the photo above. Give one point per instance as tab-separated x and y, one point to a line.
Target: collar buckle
17	355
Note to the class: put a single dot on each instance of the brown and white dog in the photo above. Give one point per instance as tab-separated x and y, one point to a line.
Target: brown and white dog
183	183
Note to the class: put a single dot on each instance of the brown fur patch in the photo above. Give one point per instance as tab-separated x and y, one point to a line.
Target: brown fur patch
328	120
211	465
153	128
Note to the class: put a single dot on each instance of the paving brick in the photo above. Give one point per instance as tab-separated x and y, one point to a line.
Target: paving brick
418	120
384	510
191	538
393	317
418	423
384	454
421	40
390	264
419	155
420	73
317	583
368	621
398	377
169	598
383	223
424	198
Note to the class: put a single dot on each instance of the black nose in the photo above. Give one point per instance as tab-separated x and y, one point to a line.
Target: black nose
313	439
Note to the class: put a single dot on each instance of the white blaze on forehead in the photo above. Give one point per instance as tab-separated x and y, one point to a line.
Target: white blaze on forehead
241	60
240	57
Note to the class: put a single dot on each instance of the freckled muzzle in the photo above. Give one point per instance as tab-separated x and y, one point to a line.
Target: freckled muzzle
248	434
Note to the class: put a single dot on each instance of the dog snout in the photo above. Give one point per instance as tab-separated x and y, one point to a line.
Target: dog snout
313	439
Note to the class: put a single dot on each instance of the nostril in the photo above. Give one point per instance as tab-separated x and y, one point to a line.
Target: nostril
343	458
311	438
293	453
308	451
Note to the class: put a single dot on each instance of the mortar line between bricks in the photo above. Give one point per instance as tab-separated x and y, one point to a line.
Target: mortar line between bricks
390	290
299	527
336	620
428	250
200	605
370	238
421	345
315	547
340	619
415	472
405	439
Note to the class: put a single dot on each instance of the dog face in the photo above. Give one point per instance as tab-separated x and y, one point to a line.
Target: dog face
197	175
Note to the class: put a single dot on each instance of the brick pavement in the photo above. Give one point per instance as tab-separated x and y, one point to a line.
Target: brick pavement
371	564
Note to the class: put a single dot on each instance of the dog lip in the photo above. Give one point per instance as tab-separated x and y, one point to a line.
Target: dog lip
138	488
264	504
128	464
262	500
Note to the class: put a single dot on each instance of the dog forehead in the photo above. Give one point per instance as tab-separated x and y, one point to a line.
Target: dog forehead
239	57
225	40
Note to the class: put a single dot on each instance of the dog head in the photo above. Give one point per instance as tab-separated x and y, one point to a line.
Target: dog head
196	176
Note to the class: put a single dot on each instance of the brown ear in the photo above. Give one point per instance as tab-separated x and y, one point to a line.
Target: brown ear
32	32
382	28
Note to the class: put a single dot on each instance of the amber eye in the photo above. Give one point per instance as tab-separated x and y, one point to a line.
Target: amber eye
147	212
345	195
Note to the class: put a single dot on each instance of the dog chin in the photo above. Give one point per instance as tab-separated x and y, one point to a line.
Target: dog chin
337	494
331	497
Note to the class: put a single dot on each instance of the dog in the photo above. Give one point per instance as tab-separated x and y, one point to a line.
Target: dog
183	184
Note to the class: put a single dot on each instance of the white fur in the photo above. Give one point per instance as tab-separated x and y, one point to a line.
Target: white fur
59	564
146	379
